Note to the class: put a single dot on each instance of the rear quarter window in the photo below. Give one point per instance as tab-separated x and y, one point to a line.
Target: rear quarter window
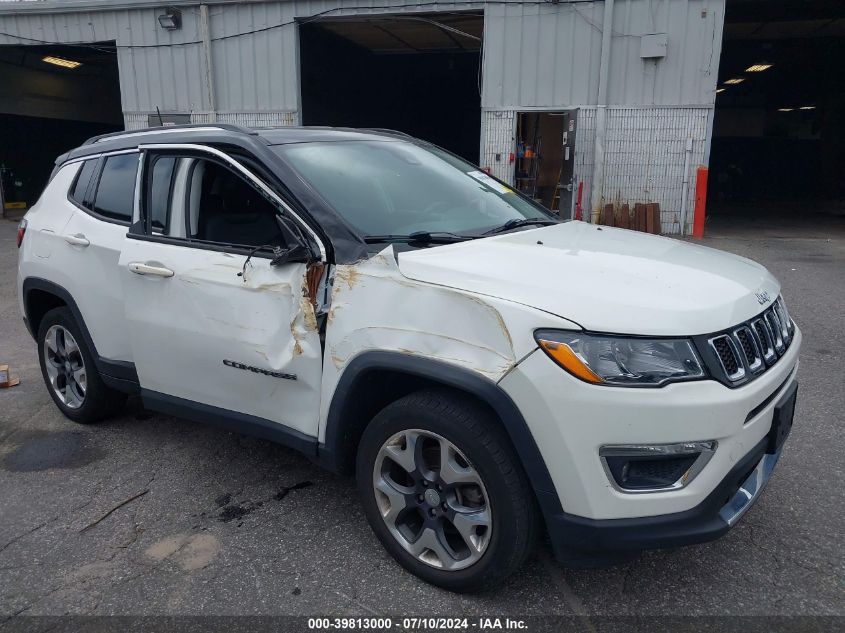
115	197
83	179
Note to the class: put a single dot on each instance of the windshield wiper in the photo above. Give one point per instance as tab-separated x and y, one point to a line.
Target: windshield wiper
420	237
517	222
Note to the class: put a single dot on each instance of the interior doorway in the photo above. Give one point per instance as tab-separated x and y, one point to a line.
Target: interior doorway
545	158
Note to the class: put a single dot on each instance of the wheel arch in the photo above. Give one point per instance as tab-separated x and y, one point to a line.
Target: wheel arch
40	296
374	379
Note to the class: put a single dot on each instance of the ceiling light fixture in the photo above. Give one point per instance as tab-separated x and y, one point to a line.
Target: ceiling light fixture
718	90
171	20
60	61
758	68
735	81
808	107
785	109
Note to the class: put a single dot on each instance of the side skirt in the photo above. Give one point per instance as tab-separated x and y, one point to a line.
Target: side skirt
231	421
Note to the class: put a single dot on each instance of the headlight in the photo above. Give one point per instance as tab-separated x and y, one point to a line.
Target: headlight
621	361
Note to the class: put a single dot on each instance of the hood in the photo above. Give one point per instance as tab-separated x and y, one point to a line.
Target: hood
604	279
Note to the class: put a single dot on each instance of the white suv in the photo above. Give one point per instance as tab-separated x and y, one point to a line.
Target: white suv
487	371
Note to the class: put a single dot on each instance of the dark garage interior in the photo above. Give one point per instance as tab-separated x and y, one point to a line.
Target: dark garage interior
779	125
52	98
416	74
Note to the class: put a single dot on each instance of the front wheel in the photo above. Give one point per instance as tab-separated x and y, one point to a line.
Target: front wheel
444	491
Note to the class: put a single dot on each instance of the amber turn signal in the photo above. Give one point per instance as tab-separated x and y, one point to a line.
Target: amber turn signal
563	355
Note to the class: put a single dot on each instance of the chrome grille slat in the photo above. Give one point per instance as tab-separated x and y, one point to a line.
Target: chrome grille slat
764	337
751	353
753	346
782	318
728	355
774	325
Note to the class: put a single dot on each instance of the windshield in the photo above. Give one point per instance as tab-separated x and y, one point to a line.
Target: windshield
396	188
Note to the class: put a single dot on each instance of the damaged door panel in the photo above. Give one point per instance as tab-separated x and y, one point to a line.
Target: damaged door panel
244	343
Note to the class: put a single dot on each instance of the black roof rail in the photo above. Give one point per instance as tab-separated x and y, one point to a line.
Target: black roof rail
229	127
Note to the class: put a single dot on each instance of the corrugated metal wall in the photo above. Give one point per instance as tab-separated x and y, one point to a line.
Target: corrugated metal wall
497	133
645	156
547	55
535	56
255	76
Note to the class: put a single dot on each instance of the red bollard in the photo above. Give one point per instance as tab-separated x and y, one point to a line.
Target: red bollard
700	202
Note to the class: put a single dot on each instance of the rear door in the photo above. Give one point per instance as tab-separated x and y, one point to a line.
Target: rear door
211	327
103	197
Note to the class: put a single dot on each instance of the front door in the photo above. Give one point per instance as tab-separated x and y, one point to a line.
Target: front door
208	329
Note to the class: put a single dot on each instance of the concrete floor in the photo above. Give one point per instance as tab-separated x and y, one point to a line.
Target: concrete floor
222	524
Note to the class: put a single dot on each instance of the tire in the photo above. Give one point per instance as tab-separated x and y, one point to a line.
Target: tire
482	480
71	377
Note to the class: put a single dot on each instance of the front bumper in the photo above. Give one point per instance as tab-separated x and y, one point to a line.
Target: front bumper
709	520
571	421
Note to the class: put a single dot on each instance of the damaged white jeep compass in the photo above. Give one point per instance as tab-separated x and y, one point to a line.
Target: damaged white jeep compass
488	372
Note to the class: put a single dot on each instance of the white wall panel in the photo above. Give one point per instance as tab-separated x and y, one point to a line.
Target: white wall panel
547	55
645	152
498	129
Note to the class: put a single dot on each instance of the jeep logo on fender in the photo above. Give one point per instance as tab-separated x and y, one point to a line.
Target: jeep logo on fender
258	370
763	297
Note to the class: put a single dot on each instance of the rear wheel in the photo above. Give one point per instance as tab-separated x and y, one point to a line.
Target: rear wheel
444	491
69	371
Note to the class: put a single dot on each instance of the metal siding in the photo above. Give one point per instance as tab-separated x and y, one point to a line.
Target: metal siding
645	155
535	56
548	55
498	132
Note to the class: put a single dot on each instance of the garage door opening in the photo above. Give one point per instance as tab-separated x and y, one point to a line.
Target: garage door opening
52	98
777	150
417	74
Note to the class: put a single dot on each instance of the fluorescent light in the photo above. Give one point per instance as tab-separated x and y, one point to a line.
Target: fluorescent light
718	90
785	109
758	68
59	61
808	107
737	80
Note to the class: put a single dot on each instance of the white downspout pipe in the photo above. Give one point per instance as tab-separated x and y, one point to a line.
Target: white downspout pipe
597	193
205	34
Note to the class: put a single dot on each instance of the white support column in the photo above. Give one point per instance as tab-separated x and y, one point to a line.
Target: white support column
208	69
597	195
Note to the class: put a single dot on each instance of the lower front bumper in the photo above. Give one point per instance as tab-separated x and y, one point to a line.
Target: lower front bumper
574	536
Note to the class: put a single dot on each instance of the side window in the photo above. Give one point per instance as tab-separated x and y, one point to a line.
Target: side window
161	192
83	179
224	208
116	190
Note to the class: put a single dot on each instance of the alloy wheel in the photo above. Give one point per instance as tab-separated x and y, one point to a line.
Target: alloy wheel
65	366
432	499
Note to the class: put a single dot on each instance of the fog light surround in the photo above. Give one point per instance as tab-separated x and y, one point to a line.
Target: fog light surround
643	468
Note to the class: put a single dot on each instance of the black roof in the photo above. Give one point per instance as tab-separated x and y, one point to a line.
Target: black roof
223	133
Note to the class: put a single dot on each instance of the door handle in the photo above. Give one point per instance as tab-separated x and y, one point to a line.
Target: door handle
140	268
77	240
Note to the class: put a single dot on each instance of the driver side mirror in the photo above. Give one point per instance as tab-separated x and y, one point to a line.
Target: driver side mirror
299	252
296	253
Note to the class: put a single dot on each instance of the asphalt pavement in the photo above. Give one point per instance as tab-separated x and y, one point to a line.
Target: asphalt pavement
149	514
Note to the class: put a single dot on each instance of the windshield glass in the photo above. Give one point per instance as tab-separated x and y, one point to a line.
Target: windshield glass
398	188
